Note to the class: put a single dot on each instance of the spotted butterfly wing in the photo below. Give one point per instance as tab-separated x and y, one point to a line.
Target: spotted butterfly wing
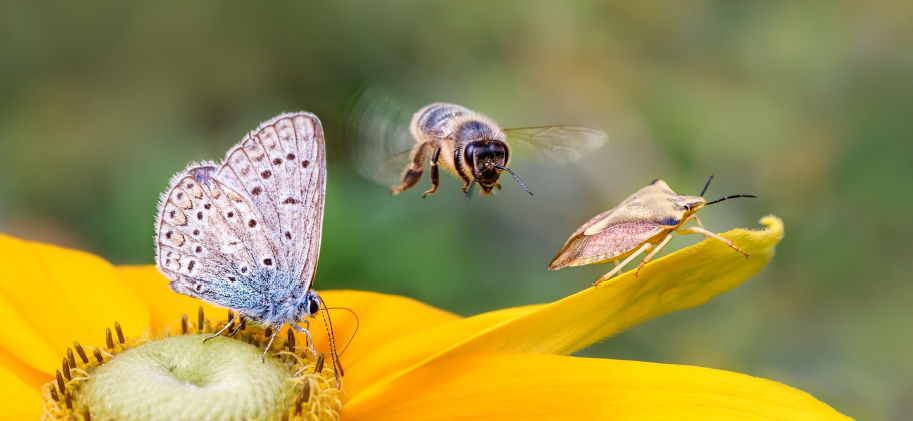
245	233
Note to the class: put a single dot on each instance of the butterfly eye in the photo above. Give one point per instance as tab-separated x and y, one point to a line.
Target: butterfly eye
313	304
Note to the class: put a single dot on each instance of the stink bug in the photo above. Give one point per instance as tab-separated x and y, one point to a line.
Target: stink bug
644	222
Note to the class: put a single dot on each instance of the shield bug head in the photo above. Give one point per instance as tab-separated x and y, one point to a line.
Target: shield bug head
643	222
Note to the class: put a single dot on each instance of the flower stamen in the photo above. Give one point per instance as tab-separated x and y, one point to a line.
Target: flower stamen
135	375
81	352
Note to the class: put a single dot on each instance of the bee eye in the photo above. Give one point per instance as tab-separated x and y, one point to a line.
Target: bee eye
468	154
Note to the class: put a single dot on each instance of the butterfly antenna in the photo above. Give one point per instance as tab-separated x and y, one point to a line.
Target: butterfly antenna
328	322
501	167
357	324
706	185
730	197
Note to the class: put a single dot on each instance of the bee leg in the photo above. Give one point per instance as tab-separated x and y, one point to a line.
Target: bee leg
413	172
603	278
435	173
699	230
659	247
498	185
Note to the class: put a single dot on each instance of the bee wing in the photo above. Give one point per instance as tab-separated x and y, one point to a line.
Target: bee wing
377	138
555	144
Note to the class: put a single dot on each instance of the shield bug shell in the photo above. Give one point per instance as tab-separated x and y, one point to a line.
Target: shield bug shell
643	222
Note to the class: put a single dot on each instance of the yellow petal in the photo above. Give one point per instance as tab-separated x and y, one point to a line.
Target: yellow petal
684	279
52	296
18	400
26	373
384	318
501	386
411	349
165	305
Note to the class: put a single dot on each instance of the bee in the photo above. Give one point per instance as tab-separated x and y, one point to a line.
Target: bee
642	223
468	144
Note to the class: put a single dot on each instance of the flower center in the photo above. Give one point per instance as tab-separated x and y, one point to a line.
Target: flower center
175	377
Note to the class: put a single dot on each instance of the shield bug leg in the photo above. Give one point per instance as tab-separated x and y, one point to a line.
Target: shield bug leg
698	221
660	246
414	171
699	230
644	248
435	173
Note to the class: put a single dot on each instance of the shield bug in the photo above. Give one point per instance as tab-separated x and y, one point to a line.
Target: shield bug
643	222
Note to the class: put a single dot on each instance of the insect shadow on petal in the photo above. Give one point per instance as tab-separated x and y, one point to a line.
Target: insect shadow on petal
642	223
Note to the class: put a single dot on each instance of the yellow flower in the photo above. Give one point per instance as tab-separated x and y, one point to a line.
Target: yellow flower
412	361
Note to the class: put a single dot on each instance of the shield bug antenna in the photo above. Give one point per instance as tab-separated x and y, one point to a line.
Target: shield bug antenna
734	196
642	223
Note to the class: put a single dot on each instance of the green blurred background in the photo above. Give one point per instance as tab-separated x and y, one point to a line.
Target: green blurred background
805	104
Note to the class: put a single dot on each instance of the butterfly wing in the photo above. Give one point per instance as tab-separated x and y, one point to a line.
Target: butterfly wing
555	144
281	168
221	228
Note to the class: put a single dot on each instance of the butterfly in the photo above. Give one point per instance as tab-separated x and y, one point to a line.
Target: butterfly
244	233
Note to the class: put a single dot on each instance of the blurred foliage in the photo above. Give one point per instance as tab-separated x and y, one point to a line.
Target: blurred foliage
804	103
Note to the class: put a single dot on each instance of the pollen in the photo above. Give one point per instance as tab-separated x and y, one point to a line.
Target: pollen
175	376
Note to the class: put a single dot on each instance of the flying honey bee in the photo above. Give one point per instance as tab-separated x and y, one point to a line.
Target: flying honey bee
470	145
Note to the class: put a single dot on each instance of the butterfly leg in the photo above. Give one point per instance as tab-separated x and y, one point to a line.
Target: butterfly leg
268	344
307	334
238	327
224	328
435	174
659	247
413	173
644	248
699	230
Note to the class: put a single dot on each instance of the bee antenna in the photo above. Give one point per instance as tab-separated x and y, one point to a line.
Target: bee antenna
328	322
706	185
357	324
730	197
501	167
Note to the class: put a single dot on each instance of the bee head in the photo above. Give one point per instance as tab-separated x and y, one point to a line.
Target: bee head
484	157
